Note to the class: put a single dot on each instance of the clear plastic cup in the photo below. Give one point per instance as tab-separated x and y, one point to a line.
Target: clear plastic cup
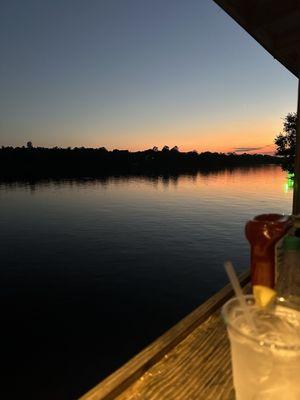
266	365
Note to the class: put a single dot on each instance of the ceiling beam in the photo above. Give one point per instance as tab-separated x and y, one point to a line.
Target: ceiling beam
262	13
281	43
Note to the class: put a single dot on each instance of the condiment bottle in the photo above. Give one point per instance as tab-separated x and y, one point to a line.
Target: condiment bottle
288	284
263	232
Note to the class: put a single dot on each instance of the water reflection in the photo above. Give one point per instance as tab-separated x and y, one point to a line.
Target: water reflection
92	270
256	174
289	183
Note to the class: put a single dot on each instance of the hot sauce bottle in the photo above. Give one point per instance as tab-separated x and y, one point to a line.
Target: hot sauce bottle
263	232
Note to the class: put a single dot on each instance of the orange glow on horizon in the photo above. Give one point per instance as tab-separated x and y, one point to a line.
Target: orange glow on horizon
252	136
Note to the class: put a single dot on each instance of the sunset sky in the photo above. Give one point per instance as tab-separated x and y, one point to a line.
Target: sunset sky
136	74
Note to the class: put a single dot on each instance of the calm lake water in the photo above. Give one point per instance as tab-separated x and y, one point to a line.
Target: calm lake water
94	270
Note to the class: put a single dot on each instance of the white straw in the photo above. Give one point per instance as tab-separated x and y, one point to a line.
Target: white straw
239	294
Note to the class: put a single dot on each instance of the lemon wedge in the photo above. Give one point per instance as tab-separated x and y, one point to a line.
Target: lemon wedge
263	295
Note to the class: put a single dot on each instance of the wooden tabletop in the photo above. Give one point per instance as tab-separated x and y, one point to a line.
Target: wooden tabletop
190	361
197	368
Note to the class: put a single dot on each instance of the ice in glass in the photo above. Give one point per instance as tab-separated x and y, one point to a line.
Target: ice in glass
266	364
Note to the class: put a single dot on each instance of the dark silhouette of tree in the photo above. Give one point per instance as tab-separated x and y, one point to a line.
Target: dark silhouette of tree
29	145
286	141
61	162
155	149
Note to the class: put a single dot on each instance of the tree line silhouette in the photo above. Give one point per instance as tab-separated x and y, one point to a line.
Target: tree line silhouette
286	142
80	161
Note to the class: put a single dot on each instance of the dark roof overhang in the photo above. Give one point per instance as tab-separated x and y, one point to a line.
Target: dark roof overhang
275	24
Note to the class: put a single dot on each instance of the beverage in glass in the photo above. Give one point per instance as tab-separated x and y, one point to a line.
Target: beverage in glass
266	363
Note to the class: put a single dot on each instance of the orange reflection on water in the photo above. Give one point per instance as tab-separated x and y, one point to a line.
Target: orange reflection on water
260	188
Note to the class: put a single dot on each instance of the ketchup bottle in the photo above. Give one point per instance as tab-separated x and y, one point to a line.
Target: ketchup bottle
263	232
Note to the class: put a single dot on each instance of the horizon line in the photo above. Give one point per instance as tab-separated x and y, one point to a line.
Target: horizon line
235	150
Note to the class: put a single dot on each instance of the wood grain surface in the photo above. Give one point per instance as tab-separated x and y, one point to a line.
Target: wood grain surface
197	368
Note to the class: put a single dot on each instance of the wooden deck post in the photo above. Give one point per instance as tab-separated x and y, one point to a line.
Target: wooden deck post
296	198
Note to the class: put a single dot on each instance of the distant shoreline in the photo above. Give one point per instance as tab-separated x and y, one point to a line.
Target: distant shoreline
40	162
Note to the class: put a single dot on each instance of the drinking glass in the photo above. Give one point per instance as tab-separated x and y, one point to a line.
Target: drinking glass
266	364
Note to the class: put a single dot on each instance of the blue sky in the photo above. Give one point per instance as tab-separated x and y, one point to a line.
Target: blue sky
134	74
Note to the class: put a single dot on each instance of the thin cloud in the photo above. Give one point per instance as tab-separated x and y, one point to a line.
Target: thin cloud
245	149
268	149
